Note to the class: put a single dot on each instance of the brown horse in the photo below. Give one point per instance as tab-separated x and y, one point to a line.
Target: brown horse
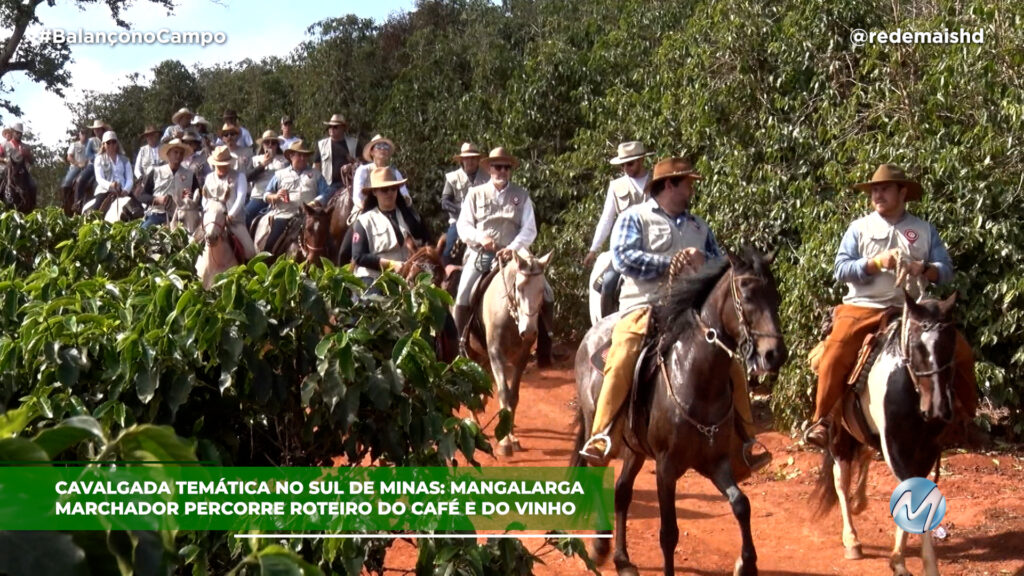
315	237
727	310
16	188
339	209
427	259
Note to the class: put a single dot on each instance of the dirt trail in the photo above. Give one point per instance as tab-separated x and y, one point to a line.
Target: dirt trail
984	516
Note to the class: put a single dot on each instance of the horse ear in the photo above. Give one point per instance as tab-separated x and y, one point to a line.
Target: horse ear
946	306
543	260
520	261
769	257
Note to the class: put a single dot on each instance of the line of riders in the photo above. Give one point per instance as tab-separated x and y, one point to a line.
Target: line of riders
646	214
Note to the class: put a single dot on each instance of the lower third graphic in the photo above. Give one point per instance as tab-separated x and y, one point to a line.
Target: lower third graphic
917	505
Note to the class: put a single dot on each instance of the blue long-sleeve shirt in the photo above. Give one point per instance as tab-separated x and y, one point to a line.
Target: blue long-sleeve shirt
628	254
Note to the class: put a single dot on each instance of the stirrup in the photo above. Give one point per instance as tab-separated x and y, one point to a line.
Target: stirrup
591	456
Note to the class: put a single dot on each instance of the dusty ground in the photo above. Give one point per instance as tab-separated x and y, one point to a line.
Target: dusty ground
984	517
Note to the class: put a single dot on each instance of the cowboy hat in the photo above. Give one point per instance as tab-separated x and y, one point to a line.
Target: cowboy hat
890	173
17	127
108	136
221	156
197	120
99	125
500	155
182	112
383	177
672	168
286	119
468	150
378	139
296	147
229	127
268	135
150	129
186	150
629	151
229	113
336	120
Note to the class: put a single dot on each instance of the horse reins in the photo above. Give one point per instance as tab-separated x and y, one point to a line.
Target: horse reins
511	299
903	280
708	431
745	344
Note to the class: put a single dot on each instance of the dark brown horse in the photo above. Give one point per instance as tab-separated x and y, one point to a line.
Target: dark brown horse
906	403
427	259
316	234
16	187
339	209
727	310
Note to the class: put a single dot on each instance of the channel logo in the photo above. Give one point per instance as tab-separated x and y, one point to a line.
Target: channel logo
917	505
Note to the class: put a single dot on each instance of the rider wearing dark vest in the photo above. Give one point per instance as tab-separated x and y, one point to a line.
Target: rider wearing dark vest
867	259
644	241
380	232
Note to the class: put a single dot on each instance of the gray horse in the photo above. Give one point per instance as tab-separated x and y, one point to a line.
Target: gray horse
508	313
727	310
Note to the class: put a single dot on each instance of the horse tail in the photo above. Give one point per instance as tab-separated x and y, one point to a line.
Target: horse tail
824	497
576	459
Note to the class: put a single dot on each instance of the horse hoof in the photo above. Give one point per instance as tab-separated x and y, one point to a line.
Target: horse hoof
743	569
517	446
504	450
628	570
854	552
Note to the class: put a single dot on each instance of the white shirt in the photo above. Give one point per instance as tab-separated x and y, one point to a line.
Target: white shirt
77	153
244	139
609	214
109	171
147	159
362	178
235	202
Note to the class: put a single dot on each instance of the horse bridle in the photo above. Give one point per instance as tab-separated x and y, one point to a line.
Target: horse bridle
511	298
926	326
748	337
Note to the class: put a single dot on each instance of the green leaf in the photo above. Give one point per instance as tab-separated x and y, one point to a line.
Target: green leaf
14	421
148	442
68	433
41	553
21	449
504	426
278	561
146	382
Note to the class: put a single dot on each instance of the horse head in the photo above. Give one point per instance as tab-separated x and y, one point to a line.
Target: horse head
215	221
927	342
755	325
526	294
425	259
314	232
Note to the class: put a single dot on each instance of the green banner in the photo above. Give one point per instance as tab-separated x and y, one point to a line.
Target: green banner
305	499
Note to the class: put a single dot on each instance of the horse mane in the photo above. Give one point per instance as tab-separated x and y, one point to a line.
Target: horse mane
424	253
687	294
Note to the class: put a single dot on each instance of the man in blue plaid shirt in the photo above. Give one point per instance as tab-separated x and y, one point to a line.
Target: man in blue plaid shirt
645	239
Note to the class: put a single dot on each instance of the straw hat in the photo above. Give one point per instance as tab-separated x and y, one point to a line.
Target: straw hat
199	120
99	125
150	129
221	156
296	148
499	155
269	135
629	151
336	120
672	168
468	150
890	173
186	150
383	177
378	139
229	127
182	112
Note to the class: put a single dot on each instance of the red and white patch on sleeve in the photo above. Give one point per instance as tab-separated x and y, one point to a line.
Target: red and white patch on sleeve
355	237
911	235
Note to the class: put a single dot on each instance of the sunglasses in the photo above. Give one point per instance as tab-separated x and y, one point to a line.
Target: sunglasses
501	167
676	180
230	134
382	146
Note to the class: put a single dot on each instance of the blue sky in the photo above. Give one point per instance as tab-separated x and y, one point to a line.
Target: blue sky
248	25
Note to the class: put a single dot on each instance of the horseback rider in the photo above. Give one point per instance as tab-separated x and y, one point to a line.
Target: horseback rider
623	192
113	172
333	153
497	220
171	180
228	186
262	170
92	149
231	134
380	239
14	150
872	249
76	161
645	240
181	122
290	188
149	153
456	184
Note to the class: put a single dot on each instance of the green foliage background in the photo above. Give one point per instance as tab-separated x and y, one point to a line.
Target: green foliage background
781	112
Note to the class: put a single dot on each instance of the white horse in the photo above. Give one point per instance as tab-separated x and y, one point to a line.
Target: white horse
218	254
188	215
508	313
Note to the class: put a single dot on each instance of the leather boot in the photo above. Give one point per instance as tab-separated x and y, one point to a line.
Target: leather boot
817	433
461	315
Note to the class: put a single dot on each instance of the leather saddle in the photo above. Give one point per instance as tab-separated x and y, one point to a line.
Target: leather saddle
853	418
